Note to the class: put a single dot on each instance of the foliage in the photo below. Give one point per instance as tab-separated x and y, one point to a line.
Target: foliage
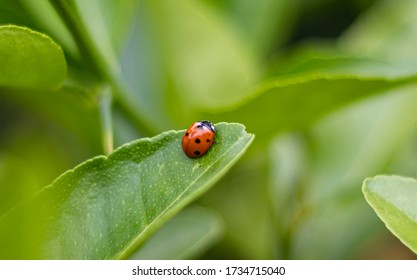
79	77
106	206
23	52
392	197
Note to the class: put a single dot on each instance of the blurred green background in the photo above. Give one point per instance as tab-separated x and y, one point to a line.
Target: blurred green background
296	194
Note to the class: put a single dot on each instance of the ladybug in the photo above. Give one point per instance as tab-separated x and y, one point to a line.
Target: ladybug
198	139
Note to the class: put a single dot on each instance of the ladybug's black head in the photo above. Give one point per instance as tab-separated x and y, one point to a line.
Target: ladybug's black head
209	125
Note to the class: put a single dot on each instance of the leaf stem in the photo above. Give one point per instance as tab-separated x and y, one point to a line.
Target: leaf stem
104	70
67	10
105	103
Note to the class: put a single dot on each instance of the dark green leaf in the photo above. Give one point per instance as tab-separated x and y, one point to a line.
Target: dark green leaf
107	206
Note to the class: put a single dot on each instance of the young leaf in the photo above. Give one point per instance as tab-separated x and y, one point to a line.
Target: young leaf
394	200
30	59
107	206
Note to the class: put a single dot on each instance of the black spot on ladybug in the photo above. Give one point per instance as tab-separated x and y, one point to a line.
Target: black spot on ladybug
197	141
200	126
186	134
197	153
207	140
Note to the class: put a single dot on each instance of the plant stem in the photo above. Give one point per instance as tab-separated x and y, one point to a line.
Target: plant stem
105	71
67	10
105	103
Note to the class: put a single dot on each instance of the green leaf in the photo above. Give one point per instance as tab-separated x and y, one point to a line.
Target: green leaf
186	236
312	88
107	206
98	57
394	200
30	59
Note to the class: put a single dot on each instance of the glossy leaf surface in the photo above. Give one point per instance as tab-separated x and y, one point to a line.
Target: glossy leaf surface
107	206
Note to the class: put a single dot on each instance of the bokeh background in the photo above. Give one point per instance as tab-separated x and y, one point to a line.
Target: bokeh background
296	194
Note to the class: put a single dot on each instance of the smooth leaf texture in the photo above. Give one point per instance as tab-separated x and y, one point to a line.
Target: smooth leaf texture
186	236
312	88
394	199
30	59
107	206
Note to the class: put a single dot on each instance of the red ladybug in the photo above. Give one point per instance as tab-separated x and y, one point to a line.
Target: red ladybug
198	138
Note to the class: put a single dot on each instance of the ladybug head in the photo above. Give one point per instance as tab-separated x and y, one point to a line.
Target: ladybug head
209	125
